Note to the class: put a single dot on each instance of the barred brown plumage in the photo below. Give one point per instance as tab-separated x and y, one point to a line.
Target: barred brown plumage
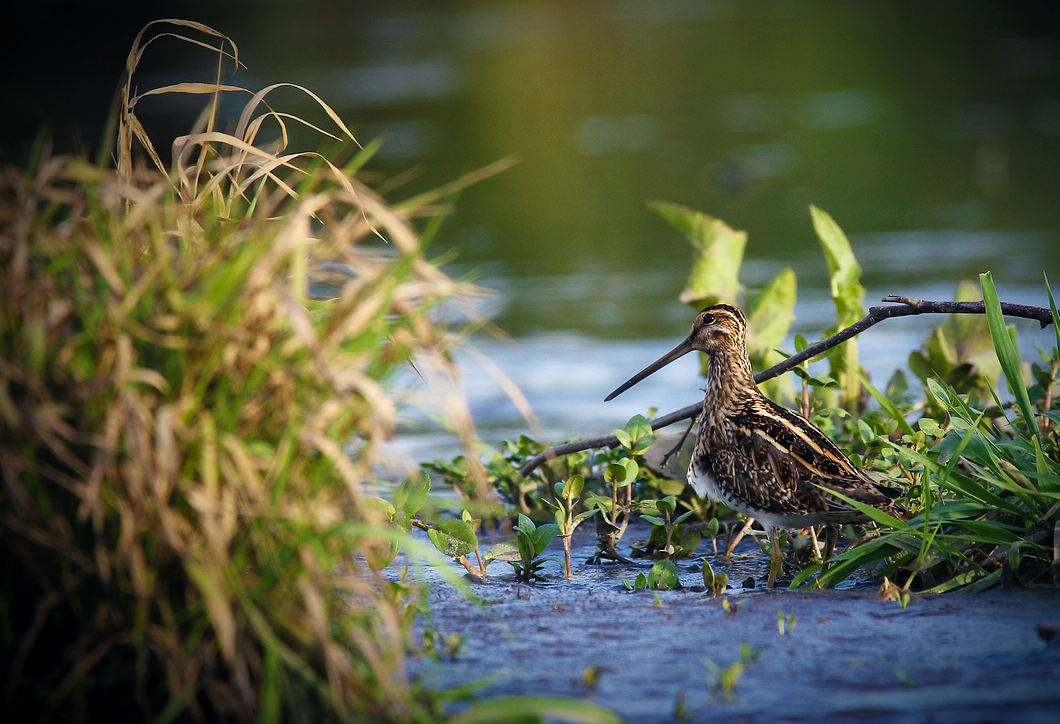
758	457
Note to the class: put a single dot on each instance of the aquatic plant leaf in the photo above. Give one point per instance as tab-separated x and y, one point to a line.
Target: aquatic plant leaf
771	312
715	271
844	274
573	487
412	494
453	537
543	536
503	551
663	575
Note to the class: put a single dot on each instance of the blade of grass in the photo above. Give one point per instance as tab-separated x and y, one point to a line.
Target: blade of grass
1007	351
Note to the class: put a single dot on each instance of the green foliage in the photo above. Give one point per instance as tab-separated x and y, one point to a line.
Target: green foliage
715	270
714	582
960	351
668	536
662	576
844	275
532	541
636	436
567	520
984	490
724	679
186	435
520	709
715	278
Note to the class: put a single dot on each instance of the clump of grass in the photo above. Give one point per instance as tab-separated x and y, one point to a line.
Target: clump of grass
185	433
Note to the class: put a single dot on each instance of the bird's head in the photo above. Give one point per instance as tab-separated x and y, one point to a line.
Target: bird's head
717	328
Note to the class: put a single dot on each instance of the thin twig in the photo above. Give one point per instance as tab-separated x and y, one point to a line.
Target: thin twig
904	307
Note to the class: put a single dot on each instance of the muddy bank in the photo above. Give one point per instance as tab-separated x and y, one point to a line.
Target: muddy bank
850	657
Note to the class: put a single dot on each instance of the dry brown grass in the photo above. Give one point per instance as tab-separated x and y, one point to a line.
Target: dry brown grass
184	433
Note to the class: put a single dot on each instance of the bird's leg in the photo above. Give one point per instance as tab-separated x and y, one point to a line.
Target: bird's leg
816	543
776	560
831	540
739	537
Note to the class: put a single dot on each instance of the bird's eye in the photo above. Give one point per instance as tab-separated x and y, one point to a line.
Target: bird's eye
708	319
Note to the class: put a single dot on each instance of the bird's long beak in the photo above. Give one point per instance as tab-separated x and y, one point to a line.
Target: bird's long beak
679	351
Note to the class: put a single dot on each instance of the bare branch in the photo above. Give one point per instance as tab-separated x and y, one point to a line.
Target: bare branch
905	307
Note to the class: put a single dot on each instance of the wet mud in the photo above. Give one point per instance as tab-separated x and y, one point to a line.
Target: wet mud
844	656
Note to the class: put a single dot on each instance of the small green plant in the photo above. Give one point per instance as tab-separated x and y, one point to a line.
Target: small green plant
983	484
785	623
620	474
714	582
532	540
662	576
724	679
660	513
566	519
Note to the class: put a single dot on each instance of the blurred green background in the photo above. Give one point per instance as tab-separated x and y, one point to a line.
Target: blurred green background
930	131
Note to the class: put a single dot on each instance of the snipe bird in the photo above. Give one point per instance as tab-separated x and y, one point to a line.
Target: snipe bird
758	457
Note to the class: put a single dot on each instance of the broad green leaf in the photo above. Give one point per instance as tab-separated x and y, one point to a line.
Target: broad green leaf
453	537
585	514
843	268
412	494
543	536
715	271
844	279
653	519
525	525
1007	351
573	487
632	470
615	473
501	552
771	312
663	575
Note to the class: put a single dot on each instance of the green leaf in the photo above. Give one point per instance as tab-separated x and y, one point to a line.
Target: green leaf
525	524
412	494
684	516
887	405
453	537
585	514
637	436
844	279
771	313
615	473
503	551
663	575
653	519
666	505
543	536
640	582
573	487
632	470
715	271
1007	351
843	268
624	438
